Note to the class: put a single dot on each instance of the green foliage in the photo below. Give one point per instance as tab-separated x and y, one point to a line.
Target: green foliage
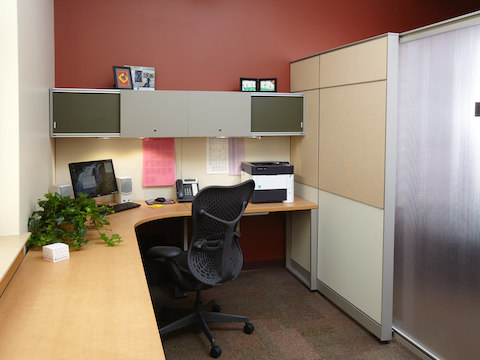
62	219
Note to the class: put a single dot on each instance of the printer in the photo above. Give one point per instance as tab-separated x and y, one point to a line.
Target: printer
273	180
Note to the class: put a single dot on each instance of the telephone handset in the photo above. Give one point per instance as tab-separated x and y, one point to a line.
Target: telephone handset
186	189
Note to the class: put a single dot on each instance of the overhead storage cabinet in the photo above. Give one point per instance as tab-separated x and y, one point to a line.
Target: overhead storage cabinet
161	113
278	114
184	113
218	113
154	113
84	112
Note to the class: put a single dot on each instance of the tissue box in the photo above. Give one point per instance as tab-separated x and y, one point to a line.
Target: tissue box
56	252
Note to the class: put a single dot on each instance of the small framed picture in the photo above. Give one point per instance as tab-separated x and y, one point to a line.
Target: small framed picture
143	77
247	84
268	84
123	77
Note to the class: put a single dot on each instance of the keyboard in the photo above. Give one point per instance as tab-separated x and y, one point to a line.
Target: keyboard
124	206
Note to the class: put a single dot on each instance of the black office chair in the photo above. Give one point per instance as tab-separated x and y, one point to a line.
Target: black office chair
214	255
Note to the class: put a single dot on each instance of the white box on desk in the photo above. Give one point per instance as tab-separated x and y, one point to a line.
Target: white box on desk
56	252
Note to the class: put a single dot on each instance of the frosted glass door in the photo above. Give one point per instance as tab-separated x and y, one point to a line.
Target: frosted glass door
437	235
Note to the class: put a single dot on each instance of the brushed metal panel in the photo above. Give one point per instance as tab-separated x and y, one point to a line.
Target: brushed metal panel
437	230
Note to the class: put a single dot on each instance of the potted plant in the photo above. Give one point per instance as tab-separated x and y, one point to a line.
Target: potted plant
63	219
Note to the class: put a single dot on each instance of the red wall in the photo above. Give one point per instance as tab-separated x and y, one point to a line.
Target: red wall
210	44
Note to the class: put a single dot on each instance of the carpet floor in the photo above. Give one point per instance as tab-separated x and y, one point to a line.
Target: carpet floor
291	323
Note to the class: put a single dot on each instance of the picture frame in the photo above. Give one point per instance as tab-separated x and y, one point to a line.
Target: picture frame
268	85
143	77
123	77
248	84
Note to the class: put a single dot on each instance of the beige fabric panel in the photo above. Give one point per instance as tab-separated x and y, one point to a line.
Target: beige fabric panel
354	64
352	142
350	251
304	149
304	74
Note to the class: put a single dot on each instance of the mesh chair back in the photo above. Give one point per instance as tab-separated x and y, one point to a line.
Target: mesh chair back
214	255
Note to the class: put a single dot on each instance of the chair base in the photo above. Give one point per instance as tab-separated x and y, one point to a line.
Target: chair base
201	316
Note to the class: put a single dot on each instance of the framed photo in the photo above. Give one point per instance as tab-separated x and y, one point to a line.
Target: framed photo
247	84
143	77
268	84
123	77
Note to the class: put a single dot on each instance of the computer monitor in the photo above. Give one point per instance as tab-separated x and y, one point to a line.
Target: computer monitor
93	178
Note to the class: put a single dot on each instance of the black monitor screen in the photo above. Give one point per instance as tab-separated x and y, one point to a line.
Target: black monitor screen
93	178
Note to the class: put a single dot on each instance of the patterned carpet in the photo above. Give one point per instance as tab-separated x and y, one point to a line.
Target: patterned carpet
291	323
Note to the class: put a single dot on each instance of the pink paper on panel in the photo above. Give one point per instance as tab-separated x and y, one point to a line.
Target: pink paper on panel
158	162
236	154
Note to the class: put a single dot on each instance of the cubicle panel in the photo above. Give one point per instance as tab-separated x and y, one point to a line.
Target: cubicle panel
304	74
192	154
352	141
268	148
304	149
190	160
350	252
301	239
360	62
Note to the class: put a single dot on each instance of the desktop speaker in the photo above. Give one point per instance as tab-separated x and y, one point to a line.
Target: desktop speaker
64	190
124	194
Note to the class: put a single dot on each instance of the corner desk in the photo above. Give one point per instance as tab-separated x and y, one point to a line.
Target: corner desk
96	305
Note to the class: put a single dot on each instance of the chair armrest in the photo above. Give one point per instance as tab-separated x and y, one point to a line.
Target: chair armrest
162	252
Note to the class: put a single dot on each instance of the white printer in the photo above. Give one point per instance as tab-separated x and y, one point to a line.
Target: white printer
273	180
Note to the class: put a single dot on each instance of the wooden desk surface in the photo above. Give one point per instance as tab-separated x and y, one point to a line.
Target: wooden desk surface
96	305
297	205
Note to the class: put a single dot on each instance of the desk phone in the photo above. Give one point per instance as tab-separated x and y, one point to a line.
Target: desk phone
186	189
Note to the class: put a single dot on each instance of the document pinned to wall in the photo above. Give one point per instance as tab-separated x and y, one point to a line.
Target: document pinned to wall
236	154
158	162
217	156
225	155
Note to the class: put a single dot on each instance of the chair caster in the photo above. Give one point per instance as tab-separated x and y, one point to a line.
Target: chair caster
248	328
215	351
216	308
